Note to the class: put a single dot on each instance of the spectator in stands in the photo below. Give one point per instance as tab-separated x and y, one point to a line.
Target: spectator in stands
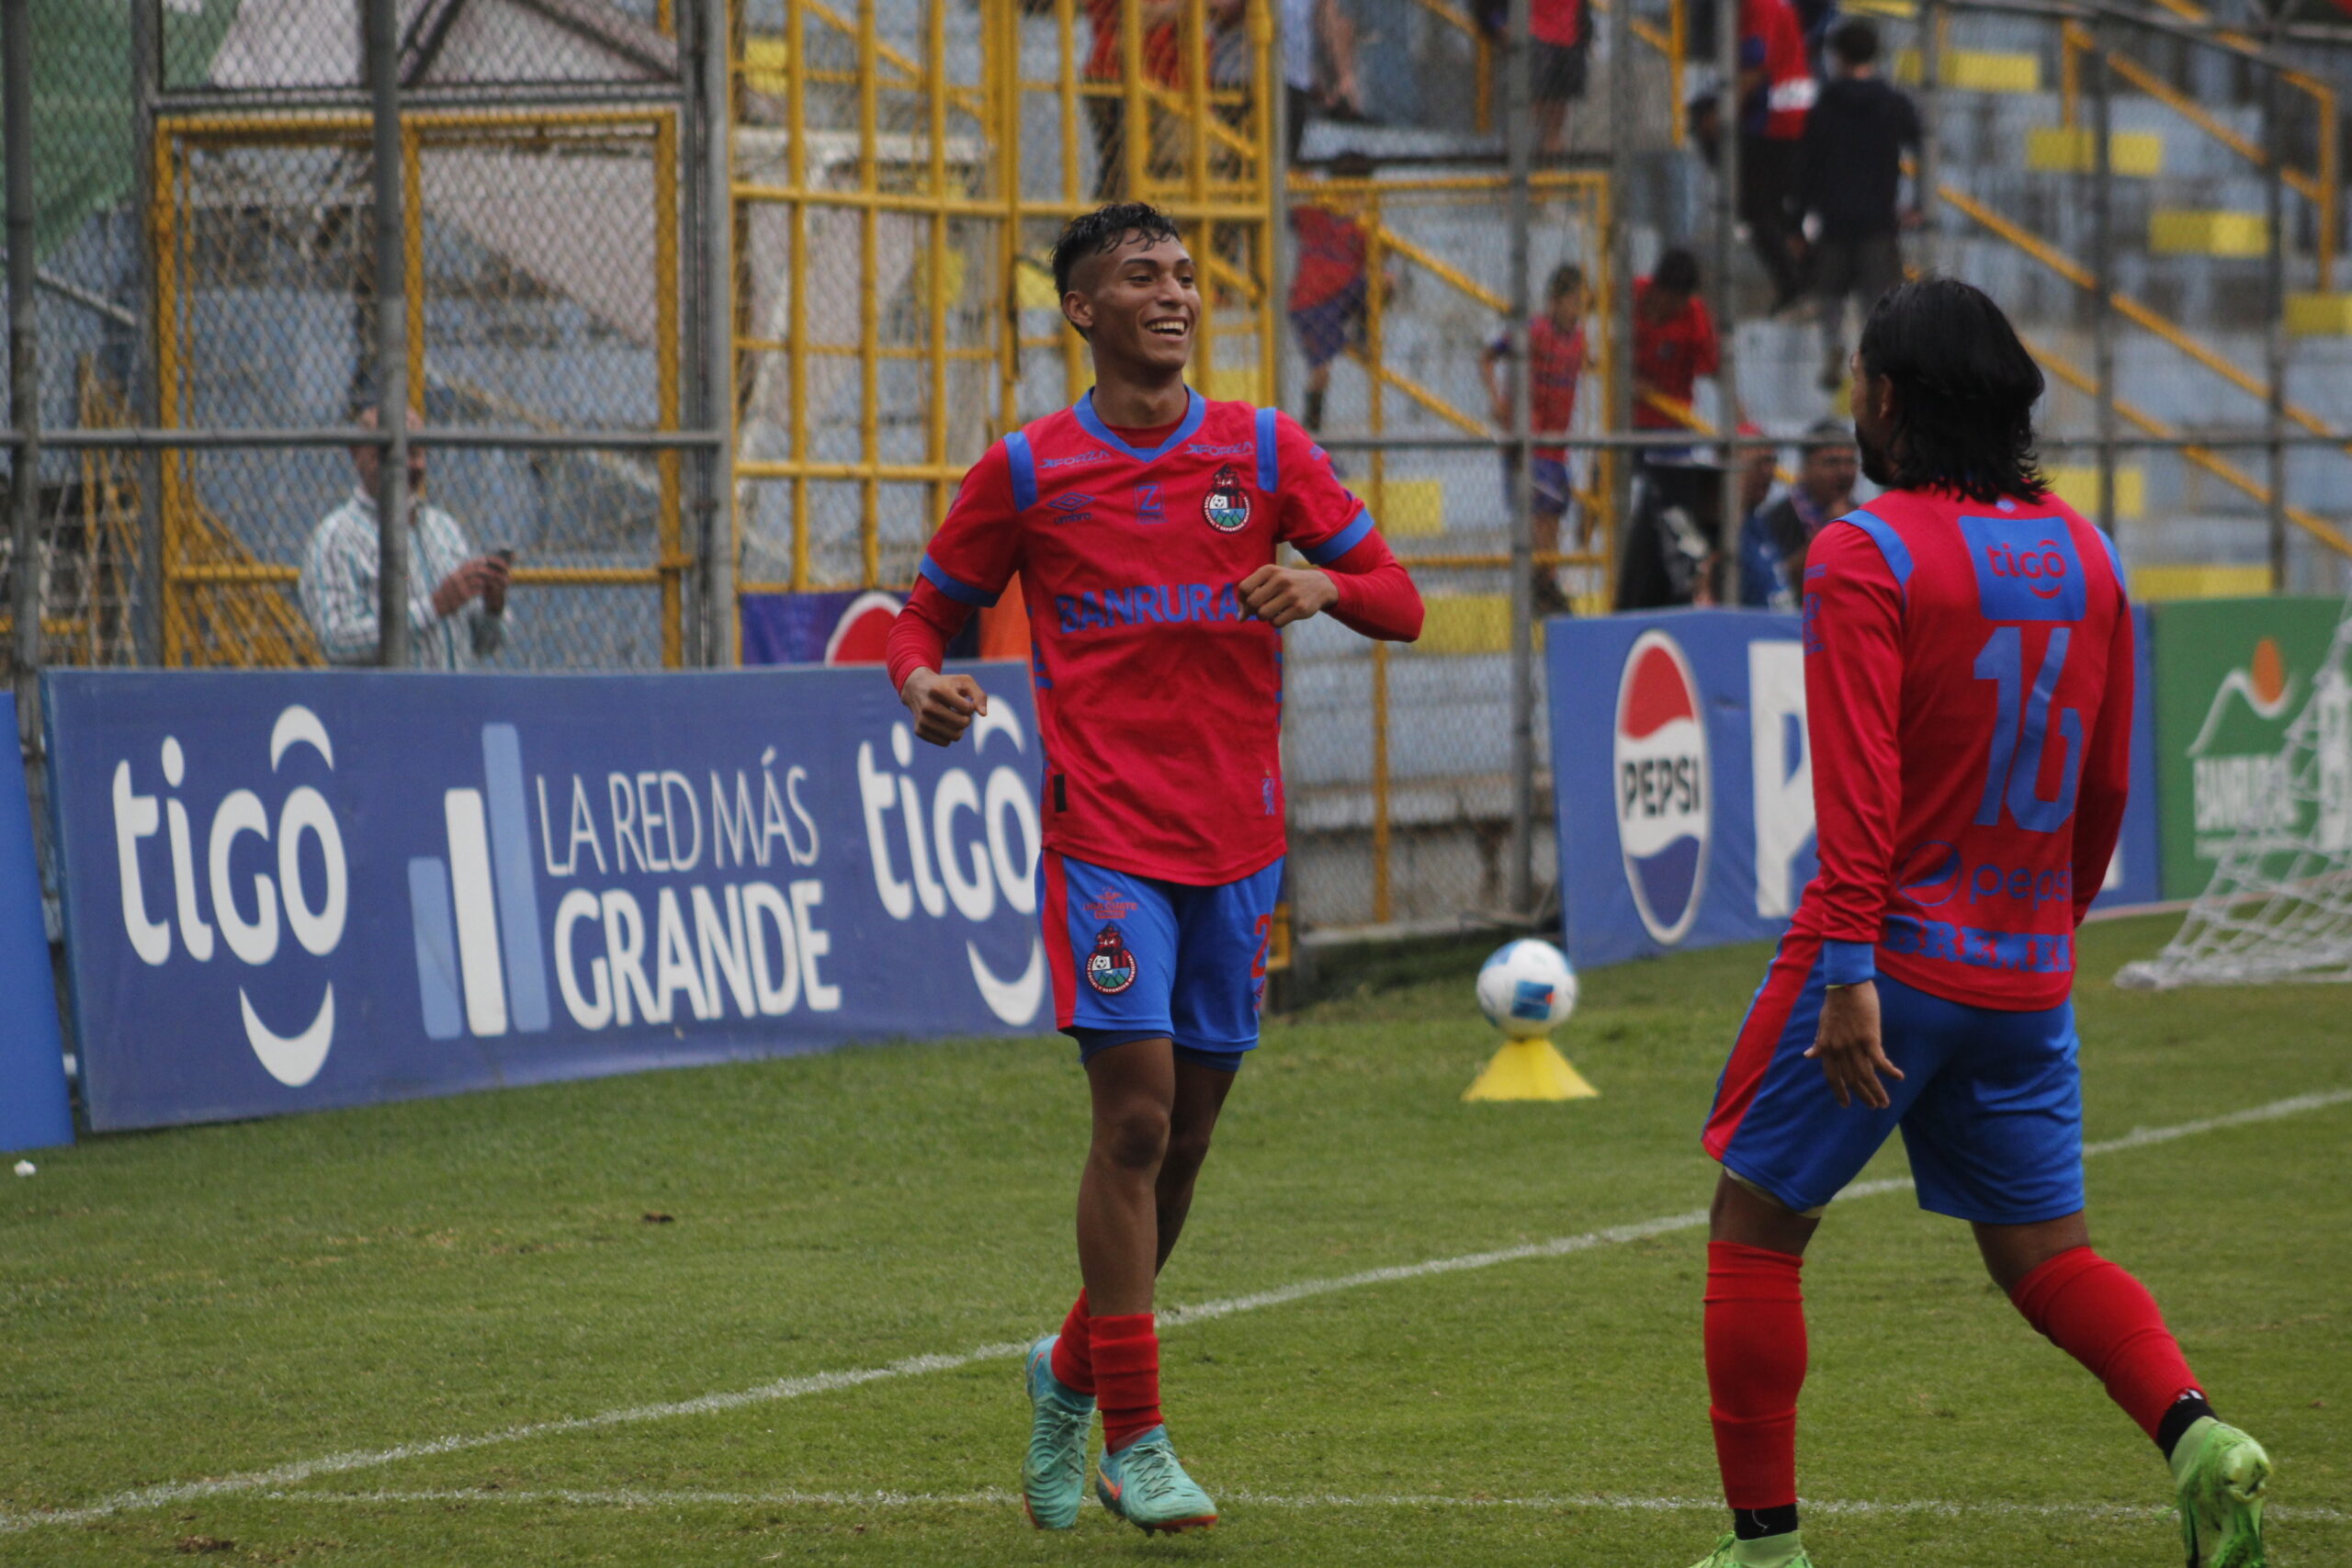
1674	344
1305	88
1559	39
1555	358
1848	182
1107	111
1328	288
1776	89
457	600
1773	541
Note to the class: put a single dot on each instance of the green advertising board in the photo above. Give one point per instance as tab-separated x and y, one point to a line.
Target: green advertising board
2230	675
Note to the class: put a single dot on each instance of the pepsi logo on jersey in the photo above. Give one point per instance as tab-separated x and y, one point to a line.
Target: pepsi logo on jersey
1663	807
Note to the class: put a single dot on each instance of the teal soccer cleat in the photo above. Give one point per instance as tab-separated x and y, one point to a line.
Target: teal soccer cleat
1053	1472
1144	1485
2223	1474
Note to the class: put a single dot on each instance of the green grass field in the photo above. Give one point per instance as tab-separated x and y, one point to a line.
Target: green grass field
239	1302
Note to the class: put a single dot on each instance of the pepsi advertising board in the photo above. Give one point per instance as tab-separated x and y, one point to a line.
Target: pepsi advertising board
285	892
1684	786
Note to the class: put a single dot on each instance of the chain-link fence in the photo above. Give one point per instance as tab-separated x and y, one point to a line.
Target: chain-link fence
211	271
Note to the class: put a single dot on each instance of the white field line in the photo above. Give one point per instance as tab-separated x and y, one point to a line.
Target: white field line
640	1497
279	1477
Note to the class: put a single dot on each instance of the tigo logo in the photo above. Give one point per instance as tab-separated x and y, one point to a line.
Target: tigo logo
1664	806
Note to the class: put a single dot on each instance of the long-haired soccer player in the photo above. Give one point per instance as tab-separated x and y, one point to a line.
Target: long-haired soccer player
1143	523
1968	691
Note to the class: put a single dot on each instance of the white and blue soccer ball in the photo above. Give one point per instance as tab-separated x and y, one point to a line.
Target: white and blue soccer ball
1527	988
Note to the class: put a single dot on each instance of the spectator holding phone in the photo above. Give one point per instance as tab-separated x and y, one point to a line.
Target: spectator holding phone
457	600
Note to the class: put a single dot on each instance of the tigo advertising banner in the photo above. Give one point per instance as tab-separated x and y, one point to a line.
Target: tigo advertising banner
291	891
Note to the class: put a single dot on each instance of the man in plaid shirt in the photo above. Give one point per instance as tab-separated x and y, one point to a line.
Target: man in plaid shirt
457	601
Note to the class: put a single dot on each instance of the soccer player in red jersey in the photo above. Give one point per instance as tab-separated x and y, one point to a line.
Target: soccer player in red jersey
1143	523
1968	658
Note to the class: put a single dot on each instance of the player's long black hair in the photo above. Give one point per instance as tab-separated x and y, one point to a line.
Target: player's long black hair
1964	390
1103	231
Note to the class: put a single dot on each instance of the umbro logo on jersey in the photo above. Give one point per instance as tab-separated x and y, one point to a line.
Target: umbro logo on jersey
1074	458
1072	508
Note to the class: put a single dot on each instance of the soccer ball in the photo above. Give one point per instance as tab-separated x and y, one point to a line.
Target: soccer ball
1527	989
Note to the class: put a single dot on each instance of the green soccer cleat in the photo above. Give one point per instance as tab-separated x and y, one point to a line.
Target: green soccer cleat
1053	1472
1771	1551
2223	1474
1144	1485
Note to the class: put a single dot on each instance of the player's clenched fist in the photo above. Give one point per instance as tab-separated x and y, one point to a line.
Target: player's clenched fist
943	705
1280	595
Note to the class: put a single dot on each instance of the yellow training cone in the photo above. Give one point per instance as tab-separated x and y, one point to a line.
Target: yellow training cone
1529	1069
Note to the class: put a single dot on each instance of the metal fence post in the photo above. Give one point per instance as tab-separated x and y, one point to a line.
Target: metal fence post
391	338
2103	266
722	646
24	366
1727	99
2274	280
146	53
1931	107
1516	136
1622	463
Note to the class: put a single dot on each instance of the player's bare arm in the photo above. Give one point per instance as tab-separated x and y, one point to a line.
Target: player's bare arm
944	705
1279	595
1851	1055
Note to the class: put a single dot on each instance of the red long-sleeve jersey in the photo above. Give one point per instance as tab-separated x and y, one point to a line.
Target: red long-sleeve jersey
1159	699
1968	695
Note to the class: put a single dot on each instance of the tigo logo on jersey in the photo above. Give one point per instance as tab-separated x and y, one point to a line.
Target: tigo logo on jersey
1110	969
1226	505
2026	568
1663	807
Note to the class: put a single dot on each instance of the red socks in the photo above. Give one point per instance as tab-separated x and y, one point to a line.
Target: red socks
1073	1358
2104	1318
1756	1353
1127	1377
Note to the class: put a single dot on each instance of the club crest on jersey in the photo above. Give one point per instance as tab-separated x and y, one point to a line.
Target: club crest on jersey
1226	505
1110	969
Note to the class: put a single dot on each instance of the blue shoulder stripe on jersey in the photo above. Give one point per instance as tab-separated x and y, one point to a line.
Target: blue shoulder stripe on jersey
1197	409
1890	545
955	588
1341	543
1270	468
1024	470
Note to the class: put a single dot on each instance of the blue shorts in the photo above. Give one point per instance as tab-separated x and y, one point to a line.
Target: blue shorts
1990	1104
1136	958
1548	484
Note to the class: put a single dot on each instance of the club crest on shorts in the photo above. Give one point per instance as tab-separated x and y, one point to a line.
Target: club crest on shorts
1110	969
1226	505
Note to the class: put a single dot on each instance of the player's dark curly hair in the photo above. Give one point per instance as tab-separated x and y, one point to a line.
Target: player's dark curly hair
1104	229
1964	390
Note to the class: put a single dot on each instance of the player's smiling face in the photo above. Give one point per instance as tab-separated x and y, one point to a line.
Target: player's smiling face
1139	305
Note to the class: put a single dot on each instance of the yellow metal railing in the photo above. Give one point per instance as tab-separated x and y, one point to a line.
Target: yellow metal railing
2317	186
206	571
1201	149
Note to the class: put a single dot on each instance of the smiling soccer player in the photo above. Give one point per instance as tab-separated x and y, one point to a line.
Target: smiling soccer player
1143	523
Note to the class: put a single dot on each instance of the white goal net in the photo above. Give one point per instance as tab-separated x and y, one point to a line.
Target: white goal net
2280	906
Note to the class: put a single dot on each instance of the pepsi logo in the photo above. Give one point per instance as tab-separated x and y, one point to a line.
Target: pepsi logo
861	635
1663	789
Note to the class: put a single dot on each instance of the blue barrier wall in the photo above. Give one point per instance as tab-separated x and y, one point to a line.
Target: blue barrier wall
34	1112
292	891
1684	790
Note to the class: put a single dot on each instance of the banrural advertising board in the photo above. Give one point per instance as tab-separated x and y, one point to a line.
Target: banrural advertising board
292	891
